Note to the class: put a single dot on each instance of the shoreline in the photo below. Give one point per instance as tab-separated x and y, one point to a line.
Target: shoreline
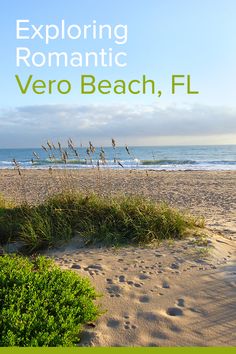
102	168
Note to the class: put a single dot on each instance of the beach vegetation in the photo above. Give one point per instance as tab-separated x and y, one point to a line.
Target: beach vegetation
108	221
42	305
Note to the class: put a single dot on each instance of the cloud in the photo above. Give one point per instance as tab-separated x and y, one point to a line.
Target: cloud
31	125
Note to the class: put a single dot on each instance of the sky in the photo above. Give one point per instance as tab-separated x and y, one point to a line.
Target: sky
164	38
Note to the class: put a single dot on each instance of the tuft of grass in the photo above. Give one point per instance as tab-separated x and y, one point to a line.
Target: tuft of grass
42	305
8	220
112	221
44	226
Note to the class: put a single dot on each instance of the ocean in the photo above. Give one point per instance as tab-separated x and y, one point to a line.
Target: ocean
149	158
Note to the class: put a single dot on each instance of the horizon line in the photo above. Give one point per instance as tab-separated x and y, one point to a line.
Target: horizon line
121	146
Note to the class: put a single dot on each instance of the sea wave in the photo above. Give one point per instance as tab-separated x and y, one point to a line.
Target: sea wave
154	164
168	162
186	162
59	162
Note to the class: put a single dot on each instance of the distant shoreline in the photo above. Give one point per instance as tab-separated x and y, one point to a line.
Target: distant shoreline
141	170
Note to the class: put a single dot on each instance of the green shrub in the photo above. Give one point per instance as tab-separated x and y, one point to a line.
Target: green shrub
40	305
110	221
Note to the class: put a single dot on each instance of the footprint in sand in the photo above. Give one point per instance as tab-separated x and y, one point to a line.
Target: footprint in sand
148	316
174	266
180	302
114	291
75	266
121	278
114	295
130	282
137	285
144	299
113	323
144	276
127	323
87	338
165	284
95	267
174	311
175	328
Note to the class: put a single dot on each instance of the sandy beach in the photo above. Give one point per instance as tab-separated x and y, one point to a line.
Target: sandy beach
178	294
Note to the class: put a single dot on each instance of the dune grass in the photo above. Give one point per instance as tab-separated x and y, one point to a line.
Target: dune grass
42	305
110	221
